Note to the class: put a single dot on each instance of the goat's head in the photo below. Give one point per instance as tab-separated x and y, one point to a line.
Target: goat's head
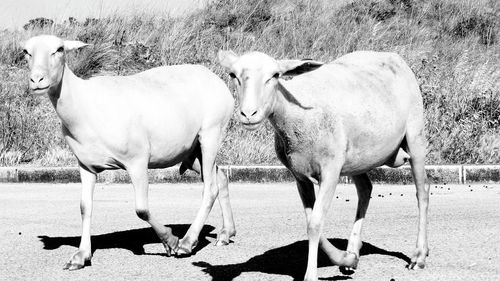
256	76
46	59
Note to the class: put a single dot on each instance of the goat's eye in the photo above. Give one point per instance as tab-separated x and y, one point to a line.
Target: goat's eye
59	50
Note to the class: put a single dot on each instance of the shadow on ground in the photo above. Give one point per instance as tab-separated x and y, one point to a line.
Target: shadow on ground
288	260
132	240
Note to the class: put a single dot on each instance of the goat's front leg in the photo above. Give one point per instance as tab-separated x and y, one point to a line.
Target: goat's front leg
329	179
306	192
84	253
364	189
139	177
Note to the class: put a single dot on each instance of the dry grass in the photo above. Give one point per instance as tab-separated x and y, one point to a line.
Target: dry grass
452	46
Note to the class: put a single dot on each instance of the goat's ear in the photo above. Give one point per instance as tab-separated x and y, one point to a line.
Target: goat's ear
296	67
227	59
70	45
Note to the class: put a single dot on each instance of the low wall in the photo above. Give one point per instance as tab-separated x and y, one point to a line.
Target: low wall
459	174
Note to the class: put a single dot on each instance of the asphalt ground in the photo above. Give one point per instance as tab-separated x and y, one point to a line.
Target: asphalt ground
40	229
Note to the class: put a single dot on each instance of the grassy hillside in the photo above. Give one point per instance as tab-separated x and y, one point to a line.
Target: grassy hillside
452	46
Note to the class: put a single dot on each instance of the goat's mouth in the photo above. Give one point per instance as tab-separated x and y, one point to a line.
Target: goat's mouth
250	126
40	90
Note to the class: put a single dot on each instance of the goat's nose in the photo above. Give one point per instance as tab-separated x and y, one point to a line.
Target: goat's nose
248	113
36	77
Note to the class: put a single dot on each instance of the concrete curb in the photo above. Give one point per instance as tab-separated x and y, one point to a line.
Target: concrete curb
459	174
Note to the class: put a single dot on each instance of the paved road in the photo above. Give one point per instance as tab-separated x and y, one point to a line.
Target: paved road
40	228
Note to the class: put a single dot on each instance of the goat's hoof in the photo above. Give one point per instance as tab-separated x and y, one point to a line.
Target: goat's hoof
224	237
185	248
418	258
349	263
78	261
170	243
222	242
346	270
419	264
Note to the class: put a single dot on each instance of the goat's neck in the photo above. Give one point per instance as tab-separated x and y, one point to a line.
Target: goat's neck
64	98
286	111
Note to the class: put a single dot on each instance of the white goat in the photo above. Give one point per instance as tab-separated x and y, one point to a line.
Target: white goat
153	119
347	117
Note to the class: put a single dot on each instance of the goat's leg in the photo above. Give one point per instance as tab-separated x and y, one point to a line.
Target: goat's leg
364	188
84	253
416	149
328	184
228	229
306	192
139	177
209	140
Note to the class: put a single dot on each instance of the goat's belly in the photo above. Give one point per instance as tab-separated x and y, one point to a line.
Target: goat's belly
351	169
98	156
358	162
171	148
372	146
168	156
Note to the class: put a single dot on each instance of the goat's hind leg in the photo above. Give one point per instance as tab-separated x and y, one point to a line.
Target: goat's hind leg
416	145
228	228
209	142
193	162
84	253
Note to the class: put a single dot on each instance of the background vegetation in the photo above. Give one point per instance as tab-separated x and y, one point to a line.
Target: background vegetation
452	46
